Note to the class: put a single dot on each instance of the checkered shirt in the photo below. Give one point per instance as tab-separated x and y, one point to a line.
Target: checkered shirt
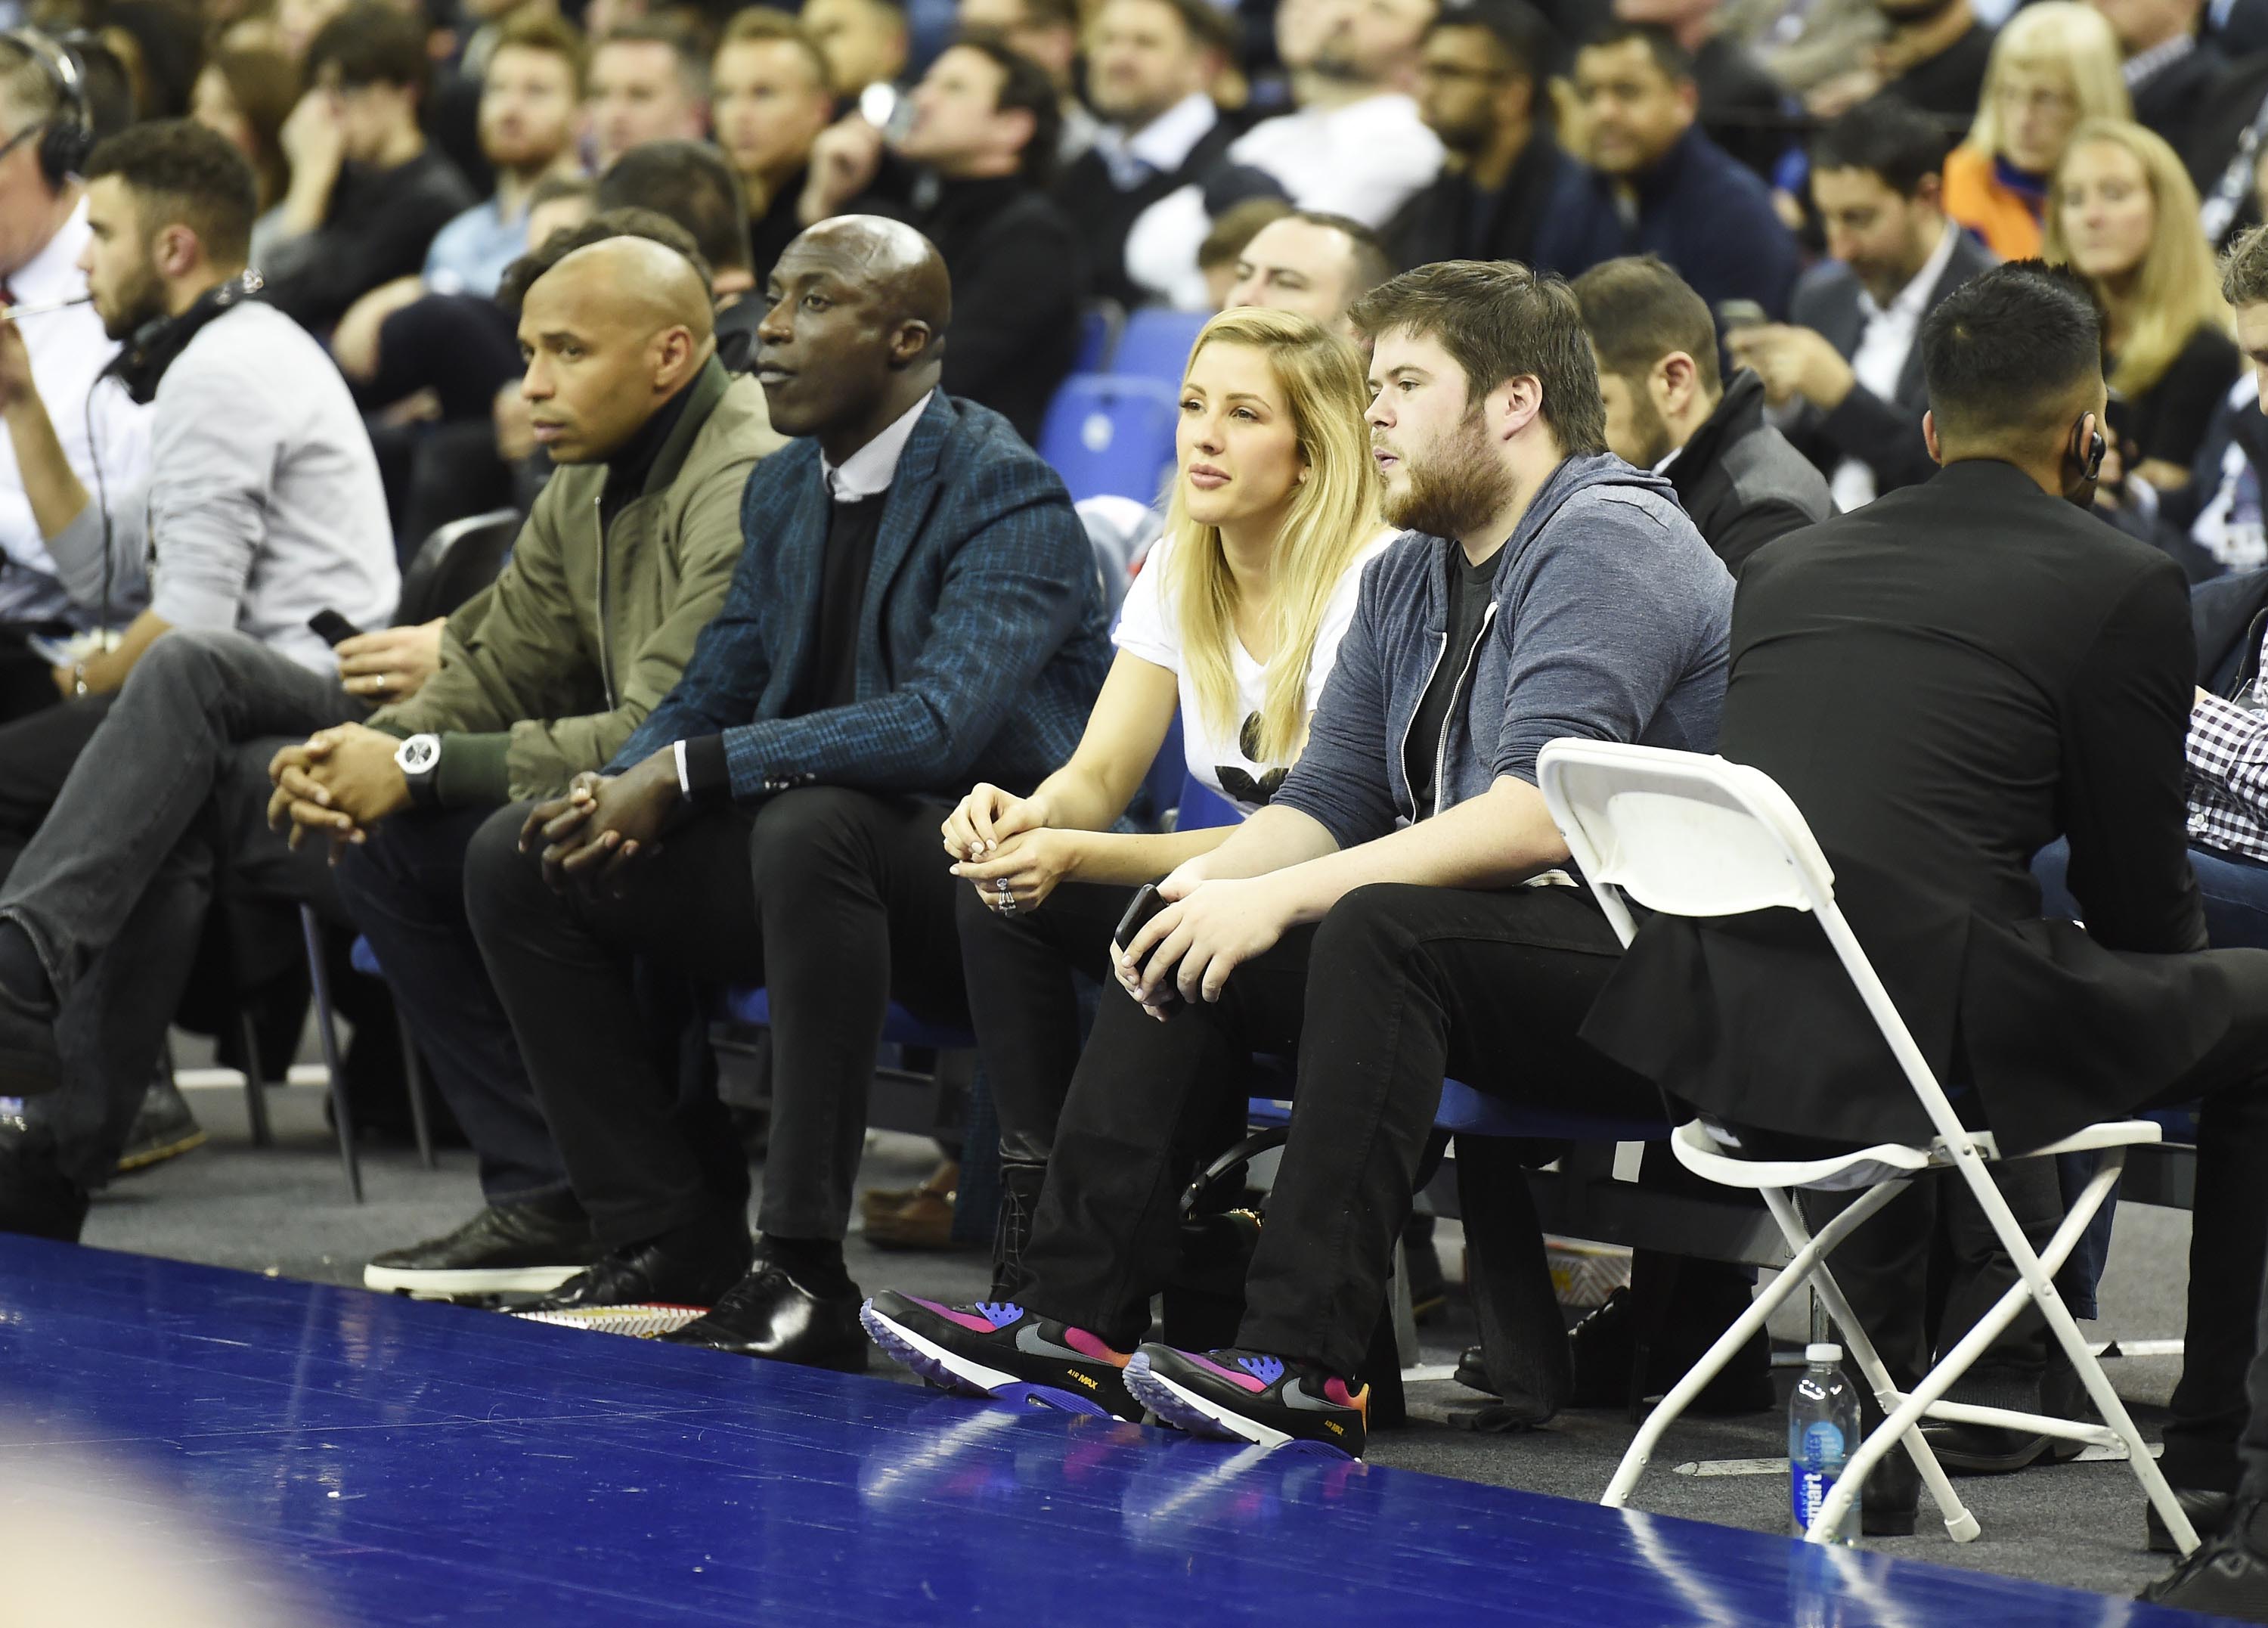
2228	777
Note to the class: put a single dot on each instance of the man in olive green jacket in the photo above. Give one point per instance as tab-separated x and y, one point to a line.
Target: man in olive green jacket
543	675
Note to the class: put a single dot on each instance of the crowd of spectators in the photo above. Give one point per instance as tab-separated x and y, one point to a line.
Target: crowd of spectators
1535	330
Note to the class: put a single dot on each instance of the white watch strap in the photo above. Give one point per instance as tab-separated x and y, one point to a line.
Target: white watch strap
684	783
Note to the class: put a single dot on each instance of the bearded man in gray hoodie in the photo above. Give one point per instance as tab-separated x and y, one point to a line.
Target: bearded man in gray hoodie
1396	913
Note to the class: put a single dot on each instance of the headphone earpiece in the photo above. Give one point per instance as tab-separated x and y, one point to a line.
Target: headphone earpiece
70	134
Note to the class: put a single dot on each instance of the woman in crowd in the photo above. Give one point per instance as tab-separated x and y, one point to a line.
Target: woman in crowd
245	93
2124	217
1234	621
2053	66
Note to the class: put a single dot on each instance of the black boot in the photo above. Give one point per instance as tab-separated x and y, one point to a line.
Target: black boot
2227	1576
36	1198
1020	1179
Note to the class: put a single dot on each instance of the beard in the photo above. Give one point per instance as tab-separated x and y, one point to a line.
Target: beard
1455	489
1649	427
138	299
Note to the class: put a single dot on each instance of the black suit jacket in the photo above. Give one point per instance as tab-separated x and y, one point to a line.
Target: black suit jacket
1885	436
1944	681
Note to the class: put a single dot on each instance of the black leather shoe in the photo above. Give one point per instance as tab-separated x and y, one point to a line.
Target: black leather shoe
770	1314
674	1270
30	1064
2227	1576
1891	1497
1605	1346
2208	1512
36	1200
1990	1450
163	1129
508	1249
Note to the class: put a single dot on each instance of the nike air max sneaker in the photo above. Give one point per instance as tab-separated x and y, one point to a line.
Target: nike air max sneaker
1248	1396
1002	1350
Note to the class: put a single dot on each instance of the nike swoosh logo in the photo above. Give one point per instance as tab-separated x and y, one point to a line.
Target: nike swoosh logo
1032	1342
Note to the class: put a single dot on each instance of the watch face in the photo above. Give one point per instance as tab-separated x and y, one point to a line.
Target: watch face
418	753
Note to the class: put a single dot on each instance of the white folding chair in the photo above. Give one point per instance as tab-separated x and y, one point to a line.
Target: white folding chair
1684	835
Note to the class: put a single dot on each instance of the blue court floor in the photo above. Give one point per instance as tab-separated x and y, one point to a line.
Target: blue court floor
383	1461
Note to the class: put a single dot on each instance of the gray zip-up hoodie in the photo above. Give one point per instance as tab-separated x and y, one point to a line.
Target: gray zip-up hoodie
1609	623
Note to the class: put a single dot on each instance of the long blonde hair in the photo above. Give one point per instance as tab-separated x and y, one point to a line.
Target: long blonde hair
1332	514
2075	39
2176	288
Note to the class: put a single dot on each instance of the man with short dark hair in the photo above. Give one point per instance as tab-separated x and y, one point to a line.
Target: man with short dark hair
970	173
368	196
1506	191
1668	411
1846	366
1046	31
1687	200
691	183
648	83
916	606
1943	682
264	503
1745	112
1150	68
1395	913
770	97
1315	264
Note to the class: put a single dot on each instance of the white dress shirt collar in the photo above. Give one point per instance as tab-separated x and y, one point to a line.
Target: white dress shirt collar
53	273
868	472
1166	143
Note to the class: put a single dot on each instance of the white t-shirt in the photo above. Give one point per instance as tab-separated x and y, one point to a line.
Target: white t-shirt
1147	628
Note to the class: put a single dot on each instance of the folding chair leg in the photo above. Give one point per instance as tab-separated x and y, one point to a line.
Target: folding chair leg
1809	1251
255	1079
2036	1284
413	1077
326	1030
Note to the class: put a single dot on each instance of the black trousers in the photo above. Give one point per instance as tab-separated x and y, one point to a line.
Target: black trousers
1397	987
837	901
1023	1000
37	753
405	889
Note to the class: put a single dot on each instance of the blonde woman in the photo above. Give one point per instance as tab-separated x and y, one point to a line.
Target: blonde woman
1233	621
2055	66
2124	217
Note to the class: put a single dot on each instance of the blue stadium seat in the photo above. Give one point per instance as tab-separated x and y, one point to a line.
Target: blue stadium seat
1156	344
1202	808
1110	437
1099	327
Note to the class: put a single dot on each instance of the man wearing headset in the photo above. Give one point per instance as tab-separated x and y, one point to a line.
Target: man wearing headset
45	133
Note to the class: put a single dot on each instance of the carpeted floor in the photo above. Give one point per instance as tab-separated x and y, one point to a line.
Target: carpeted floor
285	1210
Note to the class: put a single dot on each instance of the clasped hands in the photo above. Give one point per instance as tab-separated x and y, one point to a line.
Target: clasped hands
594	836
1208	929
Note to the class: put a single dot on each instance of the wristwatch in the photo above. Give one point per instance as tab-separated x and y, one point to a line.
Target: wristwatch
419	759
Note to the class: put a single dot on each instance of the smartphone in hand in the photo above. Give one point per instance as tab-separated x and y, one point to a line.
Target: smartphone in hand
333	628
1147	901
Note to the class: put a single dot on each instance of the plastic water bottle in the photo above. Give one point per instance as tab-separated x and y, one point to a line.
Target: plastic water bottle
1823	1433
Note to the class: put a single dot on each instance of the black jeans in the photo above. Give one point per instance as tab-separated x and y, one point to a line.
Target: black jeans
405	889
166	802
838	901
1023	1000
1397	988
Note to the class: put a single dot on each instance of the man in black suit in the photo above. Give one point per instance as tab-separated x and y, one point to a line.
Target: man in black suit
1150	64
2171	72
1849	360
1944	682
